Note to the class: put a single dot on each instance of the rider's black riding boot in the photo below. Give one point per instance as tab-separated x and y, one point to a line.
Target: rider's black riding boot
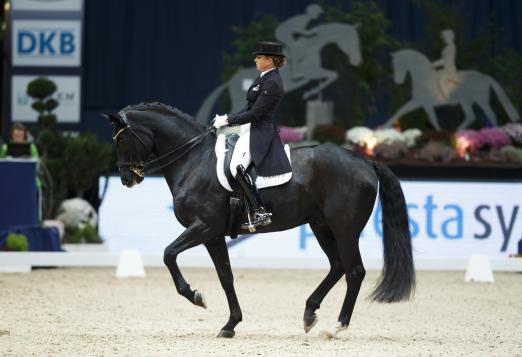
258	215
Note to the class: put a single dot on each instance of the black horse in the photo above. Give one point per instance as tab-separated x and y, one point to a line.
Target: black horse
331	189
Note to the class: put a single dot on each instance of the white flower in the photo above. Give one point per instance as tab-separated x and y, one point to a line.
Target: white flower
411	136
361	135
76	213
388	136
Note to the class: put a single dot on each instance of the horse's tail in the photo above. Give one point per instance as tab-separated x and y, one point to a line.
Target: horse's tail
397	281
203	115
506	103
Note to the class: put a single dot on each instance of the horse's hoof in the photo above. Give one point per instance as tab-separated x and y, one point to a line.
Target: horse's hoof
199	299
226	334
309	322
333	333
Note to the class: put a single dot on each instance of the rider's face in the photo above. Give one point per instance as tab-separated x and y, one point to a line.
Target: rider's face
263	63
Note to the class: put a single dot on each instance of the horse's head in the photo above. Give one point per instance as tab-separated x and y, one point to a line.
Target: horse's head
133	144
407	60
343	35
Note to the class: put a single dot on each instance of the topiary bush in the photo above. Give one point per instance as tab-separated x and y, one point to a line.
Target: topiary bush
41	89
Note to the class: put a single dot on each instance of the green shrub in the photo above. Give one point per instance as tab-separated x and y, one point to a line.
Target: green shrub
17	242
87	234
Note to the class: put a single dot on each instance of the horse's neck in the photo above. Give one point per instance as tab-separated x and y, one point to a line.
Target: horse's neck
424	81
169	137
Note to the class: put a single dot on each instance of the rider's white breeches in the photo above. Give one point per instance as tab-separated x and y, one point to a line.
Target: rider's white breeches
241	155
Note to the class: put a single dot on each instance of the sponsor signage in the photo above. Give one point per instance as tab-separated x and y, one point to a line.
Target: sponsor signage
67	95
46	5
46	43
447	219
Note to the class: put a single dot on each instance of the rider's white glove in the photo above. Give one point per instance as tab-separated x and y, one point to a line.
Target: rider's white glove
220	120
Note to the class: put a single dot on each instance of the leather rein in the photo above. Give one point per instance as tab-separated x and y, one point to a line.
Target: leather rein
140	168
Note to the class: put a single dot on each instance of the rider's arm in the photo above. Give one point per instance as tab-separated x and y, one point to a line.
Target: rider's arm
269	96
438	63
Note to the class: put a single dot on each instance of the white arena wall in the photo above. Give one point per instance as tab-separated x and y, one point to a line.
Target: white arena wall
449	221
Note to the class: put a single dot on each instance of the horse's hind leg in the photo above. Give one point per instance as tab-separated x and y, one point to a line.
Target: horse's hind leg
347	232
218	251
352	264
327	242
354	279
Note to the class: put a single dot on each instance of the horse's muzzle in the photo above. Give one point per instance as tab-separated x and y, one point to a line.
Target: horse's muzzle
130	179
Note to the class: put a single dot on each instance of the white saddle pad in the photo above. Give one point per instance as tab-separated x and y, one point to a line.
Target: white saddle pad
261	181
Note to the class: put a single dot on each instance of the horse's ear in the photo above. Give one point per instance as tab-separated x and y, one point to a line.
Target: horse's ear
114	119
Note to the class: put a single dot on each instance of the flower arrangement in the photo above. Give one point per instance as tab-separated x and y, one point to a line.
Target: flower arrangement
391	151
502	144
466	142
493	138
437	151
361	136
388	136
411	137
290	135
514	131
512	154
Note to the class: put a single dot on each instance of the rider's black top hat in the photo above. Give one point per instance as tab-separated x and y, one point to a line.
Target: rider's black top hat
269	48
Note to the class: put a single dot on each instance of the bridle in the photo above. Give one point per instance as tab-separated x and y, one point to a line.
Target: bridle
140	168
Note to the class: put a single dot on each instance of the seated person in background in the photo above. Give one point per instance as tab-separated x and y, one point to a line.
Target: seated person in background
19	136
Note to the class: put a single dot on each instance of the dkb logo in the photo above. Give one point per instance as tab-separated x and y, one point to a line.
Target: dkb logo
46	43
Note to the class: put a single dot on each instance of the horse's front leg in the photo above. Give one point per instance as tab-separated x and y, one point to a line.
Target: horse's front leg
194	235
217	249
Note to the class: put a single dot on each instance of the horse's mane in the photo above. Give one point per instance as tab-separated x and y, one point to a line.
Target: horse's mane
159	108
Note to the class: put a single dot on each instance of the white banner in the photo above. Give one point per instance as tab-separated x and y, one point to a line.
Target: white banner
47	5
67	95
447	219
46	43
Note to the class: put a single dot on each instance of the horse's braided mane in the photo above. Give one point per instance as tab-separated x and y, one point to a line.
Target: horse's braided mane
159	108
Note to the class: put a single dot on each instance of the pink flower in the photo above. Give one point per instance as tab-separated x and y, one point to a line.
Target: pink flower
494	138
290	135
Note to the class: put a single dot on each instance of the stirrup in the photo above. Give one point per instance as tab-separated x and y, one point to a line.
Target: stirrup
261	219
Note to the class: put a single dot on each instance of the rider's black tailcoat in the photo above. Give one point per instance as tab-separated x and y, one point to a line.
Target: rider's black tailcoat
266	148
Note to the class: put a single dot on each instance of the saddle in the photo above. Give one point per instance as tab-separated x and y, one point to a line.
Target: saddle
230	145
224	149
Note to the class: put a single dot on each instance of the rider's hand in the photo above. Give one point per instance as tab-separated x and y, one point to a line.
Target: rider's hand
220	120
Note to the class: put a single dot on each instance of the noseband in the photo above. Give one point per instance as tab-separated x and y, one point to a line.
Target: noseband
140	168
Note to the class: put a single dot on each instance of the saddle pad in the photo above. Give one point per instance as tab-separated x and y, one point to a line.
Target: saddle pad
261	181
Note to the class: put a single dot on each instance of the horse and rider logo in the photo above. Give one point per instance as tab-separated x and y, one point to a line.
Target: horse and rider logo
439	83
433	84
